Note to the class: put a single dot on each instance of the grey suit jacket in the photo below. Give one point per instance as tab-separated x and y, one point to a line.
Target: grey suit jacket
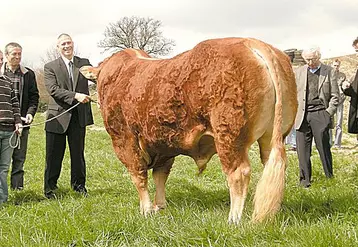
63	94
327	89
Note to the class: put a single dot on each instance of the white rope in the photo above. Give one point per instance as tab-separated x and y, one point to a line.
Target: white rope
18	142
17	136
53	118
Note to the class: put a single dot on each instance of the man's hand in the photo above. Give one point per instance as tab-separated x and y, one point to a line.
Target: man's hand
83	98
18	129
29	119
345	84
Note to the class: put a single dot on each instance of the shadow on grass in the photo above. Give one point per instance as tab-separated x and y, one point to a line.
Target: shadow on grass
189	194
26	196
19	197
313	207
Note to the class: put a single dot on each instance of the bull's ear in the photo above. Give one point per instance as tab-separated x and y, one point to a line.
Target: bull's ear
89	72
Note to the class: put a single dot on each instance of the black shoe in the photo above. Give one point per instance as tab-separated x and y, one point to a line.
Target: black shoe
305	184
17	188
50	195
81	189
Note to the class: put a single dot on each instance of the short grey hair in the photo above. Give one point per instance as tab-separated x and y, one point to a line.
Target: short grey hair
11	45
312	50
64	35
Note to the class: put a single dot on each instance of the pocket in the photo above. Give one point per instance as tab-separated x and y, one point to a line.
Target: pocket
53	107
328	118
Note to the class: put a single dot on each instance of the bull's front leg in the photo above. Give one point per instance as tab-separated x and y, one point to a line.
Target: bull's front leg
130	155
160	176
140	180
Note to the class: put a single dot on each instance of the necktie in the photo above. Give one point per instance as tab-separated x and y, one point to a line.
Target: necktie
70	73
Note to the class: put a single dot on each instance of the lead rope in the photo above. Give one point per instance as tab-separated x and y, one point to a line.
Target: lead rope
17	136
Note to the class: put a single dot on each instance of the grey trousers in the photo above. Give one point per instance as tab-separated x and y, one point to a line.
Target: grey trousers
339	122
315	125
18	160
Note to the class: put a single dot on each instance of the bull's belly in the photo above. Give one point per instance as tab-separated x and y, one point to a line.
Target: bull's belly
197	143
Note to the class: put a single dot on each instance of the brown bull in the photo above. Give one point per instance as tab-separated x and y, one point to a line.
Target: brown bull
219	97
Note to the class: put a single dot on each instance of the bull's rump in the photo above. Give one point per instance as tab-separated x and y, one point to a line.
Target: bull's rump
219	80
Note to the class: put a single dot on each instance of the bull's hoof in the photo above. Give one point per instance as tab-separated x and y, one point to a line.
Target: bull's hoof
146	211
157	208
234	219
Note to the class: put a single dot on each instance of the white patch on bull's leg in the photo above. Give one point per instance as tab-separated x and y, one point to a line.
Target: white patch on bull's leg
141	183
238	184
146	208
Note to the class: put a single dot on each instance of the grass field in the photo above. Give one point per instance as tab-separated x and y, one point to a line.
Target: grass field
198	207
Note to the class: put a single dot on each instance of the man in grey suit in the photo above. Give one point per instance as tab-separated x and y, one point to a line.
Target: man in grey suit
317	95
66	87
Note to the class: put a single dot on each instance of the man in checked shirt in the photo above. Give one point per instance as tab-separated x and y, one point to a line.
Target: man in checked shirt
24	82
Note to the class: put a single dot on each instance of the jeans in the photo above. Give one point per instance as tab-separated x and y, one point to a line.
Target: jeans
5	159
18	160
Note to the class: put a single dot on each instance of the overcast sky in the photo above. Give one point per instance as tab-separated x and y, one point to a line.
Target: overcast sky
35	24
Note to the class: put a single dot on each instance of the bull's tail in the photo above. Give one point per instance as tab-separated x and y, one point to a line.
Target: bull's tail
270	188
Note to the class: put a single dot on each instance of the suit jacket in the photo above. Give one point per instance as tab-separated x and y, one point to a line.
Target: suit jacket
327	89
58	85
352	92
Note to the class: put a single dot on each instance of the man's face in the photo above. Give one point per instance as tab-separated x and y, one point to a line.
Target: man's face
312	60
65	46
13	56
1	59
336	66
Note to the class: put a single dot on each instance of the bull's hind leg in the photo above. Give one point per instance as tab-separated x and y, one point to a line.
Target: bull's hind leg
265	147
235	164
238	180
160	176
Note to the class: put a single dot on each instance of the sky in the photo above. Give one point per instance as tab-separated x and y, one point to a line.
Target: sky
35	24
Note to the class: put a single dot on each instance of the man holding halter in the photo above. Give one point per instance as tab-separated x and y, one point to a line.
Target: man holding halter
67	88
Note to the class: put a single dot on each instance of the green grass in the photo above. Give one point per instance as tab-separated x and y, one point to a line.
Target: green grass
198	207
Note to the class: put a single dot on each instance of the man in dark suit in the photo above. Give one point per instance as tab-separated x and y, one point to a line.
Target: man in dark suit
350	88
25	85
317	95
67	87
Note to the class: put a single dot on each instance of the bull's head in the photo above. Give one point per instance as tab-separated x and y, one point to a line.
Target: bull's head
91	73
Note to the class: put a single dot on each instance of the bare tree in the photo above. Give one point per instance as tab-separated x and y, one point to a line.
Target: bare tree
52	54
139	33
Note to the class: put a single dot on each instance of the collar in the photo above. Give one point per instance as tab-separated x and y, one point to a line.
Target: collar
315	69
67	60
22	69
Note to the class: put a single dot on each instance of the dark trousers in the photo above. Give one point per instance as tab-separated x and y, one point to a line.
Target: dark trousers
315	124
55	150
18	160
